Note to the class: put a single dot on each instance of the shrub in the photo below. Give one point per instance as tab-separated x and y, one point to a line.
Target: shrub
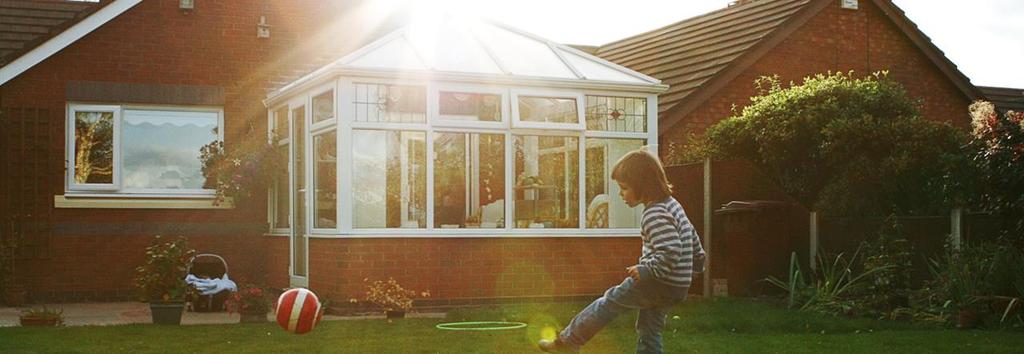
889	288
843	145
389	295
250	298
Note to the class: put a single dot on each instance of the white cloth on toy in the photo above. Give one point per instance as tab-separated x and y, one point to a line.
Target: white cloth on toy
211	286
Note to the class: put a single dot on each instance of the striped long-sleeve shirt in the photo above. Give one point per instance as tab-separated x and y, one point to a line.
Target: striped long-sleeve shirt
670	244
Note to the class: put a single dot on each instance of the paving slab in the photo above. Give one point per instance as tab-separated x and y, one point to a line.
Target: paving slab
120	313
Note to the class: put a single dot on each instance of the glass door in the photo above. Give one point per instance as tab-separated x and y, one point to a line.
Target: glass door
299	236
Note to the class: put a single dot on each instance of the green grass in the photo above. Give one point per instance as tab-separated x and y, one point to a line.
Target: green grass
721	326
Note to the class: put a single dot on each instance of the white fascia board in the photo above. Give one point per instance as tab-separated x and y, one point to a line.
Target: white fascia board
331	72
71	35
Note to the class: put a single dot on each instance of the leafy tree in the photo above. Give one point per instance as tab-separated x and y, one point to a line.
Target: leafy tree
997	149
844	145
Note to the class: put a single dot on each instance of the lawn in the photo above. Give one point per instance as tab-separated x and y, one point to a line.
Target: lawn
720	326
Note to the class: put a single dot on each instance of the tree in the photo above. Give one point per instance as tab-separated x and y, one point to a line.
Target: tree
843	145
997	151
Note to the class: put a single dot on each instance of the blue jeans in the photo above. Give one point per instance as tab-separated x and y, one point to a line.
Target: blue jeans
652	298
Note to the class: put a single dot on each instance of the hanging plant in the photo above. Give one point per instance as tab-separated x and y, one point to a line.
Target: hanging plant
242	172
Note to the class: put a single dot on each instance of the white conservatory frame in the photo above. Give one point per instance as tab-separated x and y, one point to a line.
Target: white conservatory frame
342	81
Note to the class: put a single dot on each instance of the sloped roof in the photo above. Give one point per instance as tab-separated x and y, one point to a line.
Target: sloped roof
482	49
701	55
1005	99
24	24
687	54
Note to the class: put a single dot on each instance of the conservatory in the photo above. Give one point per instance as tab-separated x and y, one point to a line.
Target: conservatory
458	129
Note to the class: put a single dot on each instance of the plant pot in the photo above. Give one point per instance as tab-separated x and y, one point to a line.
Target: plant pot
394	314
253	317
966	319
167	313
39	321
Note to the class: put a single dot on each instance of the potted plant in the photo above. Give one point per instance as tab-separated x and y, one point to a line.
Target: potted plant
391	297
44	317
160	280
251	302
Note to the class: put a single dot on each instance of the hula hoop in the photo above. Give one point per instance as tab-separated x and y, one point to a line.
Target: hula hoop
480	326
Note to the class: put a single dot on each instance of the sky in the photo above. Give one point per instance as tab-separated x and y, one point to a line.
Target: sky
984	38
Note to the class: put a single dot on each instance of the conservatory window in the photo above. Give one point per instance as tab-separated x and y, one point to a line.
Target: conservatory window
605	209
469	180
136	150
325	177
464	106
548	110
617	114
380	103
323	106
281	204
389	168
547	183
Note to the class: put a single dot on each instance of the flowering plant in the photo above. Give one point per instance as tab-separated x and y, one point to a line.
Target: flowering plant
389	295
242	172
249	298
997	146
162	276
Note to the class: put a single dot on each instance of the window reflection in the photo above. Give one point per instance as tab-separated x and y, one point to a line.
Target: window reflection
470	106
605	209
94	147
548	109
469	180
325	175
547	182
389	179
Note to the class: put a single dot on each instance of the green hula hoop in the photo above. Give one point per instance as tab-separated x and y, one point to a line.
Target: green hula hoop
480	326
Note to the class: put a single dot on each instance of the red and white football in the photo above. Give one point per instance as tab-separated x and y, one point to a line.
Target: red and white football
298	310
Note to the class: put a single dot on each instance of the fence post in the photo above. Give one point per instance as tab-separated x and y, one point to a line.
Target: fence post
955	227
813	251
707	227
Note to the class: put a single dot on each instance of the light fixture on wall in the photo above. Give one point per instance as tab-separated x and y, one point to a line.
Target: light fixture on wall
849	4
263	28
187	5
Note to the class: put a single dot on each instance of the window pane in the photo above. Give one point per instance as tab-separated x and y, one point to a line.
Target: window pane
548	109
281	123
390	103
470	106
547	182
605	208
160	149
323	106
281	220
389	179
618	114
469	180
325	177
299	194
94	147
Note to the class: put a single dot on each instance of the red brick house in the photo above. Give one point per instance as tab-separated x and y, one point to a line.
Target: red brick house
249	67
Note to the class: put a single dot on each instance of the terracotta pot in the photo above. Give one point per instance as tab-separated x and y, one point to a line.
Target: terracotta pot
394	314
966	318
39	321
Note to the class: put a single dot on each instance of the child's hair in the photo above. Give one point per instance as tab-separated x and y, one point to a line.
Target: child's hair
642	172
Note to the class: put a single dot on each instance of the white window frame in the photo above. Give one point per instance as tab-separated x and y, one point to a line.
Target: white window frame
438	121
517	121
272	194
509	127
117	188
70	152
328	123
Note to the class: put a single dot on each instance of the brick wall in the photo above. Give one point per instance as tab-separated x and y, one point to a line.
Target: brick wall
839	40
91	253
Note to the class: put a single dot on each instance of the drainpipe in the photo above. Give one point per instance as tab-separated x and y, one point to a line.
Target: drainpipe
707	227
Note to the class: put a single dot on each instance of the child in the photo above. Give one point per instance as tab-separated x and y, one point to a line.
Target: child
671	254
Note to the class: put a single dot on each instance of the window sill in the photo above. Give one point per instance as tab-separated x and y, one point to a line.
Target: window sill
132	202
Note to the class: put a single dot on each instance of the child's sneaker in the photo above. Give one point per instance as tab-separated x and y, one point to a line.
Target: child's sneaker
554	346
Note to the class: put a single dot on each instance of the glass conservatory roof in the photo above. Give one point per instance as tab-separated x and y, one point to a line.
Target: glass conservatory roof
479	48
